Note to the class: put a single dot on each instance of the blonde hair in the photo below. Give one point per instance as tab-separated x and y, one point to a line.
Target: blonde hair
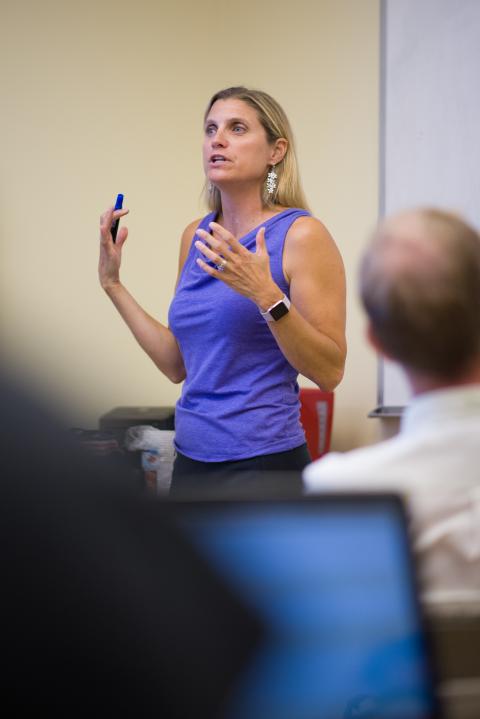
289	192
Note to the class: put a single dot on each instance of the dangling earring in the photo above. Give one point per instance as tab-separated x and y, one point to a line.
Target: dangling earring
210	187
271	182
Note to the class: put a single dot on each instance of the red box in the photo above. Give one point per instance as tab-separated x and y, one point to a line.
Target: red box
316	415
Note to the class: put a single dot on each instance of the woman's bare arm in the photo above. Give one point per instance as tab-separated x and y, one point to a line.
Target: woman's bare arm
154	338
312	334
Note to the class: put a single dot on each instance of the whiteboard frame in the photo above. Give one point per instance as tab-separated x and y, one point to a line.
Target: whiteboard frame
441	88
382	410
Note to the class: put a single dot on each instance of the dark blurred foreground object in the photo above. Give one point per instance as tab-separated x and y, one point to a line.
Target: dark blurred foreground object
107	453
97	443
455	635
105	609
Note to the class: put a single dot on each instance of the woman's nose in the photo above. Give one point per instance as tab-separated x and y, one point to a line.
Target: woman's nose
218	140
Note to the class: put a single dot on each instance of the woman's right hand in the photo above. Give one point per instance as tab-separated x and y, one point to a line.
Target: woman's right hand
110	252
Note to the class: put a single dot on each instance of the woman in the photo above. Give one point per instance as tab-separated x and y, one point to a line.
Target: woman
260	297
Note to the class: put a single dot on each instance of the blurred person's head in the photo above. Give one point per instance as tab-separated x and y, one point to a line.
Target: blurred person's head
420	287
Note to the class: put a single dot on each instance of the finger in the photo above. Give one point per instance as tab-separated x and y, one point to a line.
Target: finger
224	234
105	227
116	217
227	237
122	236
209	270
108	218
214	256
112	214
261	247
217	245
117	214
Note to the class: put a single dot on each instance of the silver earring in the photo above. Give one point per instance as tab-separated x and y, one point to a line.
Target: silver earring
271	183
210	187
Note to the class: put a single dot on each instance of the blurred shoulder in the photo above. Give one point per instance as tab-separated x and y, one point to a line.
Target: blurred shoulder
384	465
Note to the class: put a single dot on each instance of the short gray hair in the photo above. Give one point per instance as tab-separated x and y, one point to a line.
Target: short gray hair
420	287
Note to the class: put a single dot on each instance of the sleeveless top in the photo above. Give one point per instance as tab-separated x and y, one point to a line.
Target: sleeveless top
240	397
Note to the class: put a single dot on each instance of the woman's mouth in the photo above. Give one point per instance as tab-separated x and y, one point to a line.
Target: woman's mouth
218	159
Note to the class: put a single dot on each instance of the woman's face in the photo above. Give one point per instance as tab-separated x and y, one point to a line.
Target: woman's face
235	146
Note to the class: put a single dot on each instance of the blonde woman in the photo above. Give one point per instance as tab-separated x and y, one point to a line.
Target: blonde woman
260	298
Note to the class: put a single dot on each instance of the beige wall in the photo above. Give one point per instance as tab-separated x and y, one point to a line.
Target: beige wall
105	97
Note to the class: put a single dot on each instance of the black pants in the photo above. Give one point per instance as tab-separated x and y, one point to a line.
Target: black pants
279	471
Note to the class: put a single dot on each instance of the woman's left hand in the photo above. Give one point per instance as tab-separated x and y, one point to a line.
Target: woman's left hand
245	272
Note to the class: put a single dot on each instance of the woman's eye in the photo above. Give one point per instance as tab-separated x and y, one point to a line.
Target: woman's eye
238	128
210	130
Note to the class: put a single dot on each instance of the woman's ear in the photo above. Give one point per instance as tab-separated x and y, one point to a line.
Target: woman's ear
278	150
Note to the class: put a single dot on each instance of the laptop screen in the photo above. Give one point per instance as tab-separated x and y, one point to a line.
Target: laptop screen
332	579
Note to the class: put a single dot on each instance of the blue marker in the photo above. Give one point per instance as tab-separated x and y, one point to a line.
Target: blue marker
118	206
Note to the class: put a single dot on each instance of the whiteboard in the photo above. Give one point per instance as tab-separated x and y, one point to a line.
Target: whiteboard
429	123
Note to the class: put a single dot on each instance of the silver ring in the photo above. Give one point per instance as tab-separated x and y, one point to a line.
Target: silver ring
221	265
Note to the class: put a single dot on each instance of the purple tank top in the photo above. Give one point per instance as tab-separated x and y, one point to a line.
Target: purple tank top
240	396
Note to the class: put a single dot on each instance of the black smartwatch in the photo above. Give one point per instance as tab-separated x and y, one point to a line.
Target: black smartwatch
277	311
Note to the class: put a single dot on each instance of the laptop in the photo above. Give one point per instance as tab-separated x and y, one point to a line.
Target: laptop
333	581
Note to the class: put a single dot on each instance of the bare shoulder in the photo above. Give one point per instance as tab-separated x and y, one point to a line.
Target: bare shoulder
307	243
189	231
185	242
307	231
187	237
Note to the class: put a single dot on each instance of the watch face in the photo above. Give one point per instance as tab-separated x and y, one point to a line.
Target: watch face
279	311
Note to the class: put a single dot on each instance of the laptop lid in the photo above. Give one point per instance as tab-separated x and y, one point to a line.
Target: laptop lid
332	579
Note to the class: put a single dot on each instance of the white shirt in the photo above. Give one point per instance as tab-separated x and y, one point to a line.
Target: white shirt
434	462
